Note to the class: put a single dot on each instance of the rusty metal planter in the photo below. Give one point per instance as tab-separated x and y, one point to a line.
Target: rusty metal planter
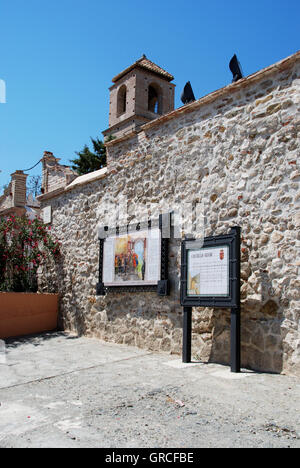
27	313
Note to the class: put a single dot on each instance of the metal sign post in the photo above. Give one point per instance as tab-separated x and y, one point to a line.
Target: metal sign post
187	335
235	339
210	277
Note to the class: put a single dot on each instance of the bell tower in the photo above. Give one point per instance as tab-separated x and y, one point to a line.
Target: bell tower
140	93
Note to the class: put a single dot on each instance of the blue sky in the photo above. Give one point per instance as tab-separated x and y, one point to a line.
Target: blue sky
58	57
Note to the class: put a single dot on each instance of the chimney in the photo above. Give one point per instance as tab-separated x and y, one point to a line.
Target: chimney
49	164
55	176
18	188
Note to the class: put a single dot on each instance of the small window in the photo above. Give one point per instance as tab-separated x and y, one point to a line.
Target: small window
121	104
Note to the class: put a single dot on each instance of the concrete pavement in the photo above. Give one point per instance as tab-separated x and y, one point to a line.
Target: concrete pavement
60	390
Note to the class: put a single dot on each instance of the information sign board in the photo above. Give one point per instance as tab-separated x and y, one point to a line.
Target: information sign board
210	271
210	277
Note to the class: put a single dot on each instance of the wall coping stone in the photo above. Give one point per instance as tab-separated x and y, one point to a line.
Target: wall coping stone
80	180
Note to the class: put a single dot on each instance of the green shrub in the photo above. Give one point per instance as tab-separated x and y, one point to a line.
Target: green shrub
24	244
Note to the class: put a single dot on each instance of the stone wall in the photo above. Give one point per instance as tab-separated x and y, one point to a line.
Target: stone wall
6	199
236	152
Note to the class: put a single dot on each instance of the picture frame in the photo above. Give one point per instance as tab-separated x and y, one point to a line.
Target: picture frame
134	258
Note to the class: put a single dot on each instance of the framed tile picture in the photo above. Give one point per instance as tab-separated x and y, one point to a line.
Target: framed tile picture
134	257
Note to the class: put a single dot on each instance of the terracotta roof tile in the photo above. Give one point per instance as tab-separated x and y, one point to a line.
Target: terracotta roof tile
145	63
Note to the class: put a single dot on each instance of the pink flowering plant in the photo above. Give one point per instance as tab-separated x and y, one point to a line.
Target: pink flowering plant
24	245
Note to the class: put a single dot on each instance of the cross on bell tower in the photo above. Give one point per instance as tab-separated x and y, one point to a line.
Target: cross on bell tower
140	93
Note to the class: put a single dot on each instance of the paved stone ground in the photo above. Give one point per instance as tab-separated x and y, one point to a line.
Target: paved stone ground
59	390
